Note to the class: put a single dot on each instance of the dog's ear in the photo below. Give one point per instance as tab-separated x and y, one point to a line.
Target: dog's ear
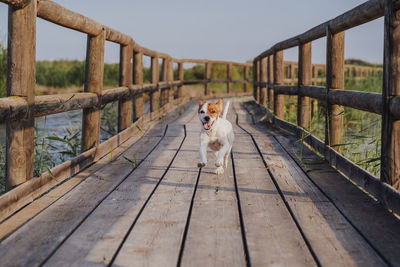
201	103
220	104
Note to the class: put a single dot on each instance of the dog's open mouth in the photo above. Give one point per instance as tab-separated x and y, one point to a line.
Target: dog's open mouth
207	125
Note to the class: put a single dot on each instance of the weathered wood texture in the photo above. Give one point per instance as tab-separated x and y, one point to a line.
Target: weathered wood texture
334	80
159	230
303	197
155	212
256	73
125	79
138	79
279	101
270	75
94	84
304	74
21	82
263	77
279	242
154	96
390	148
16	4
380	229
27	192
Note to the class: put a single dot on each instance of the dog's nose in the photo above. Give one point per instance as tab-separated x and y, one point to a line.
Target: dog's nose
207	118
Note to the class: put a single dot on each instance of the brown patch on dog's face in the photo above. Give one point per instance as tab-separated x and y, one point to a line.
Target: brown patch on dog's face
213	110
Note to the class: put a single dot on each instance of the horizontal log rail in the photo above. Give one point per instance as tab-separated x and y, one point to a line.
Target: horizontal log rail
16	108
334	95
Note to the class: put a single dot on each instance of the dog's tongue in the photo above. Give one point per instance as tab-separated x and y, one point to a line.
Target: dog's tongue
207	125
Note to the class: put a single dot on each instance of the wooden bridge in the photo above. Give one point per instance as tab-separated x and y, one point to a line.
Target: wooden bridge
138	199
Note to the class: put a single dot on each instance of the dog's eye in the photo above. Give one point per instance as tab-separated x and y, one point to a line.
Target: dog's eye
202	111
212	111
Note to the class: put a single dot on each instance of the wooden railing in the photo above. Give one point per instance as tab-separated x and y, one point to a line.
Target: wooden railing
19	109
318	72
269	88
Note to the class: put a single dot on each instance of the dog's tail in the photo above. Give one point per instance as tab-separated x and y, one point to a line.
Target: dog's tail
226	107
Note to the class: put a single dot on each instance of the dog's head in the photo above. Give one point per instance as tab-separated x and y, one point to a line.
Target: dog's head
209	113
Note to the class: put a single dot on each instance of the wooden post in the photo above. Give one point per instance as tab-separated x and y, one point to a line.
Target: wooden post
269	76
21	83
246	78
164	77
334	80
229	77
94	84
256	65
180	78
304	78
390	150
263	76
170	79
279	100
125	79
138	79
208	78
155	95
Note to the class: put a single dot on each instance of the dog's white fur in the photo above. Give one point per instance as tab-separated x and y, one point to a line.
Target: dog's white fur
216	133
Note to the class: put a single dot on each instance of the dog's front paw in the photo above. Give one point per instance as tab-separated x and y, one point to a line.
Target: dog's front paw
219	170
218	164
201	164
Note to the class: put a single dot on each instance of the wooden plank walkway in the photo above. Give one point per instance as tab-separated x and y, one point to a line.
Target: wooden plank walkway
151	206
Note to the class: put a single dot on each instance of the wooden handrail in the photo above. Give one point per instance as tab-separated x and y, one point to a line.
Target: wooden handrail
386	104
361	14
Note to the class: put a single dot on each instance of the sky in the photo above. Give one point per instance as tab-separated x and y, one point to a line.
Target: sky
234	30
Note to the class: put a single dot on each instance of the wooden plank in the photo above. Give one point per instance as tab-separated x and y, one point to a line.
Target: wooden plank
99	236
376	223
214	234
19	218
272	236
42	234
93	83
27	192
21	83
157	235
331	236
31	210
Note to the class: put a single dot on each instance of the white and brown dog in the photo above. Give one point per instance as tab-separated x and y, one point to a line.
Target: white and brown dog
216	133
